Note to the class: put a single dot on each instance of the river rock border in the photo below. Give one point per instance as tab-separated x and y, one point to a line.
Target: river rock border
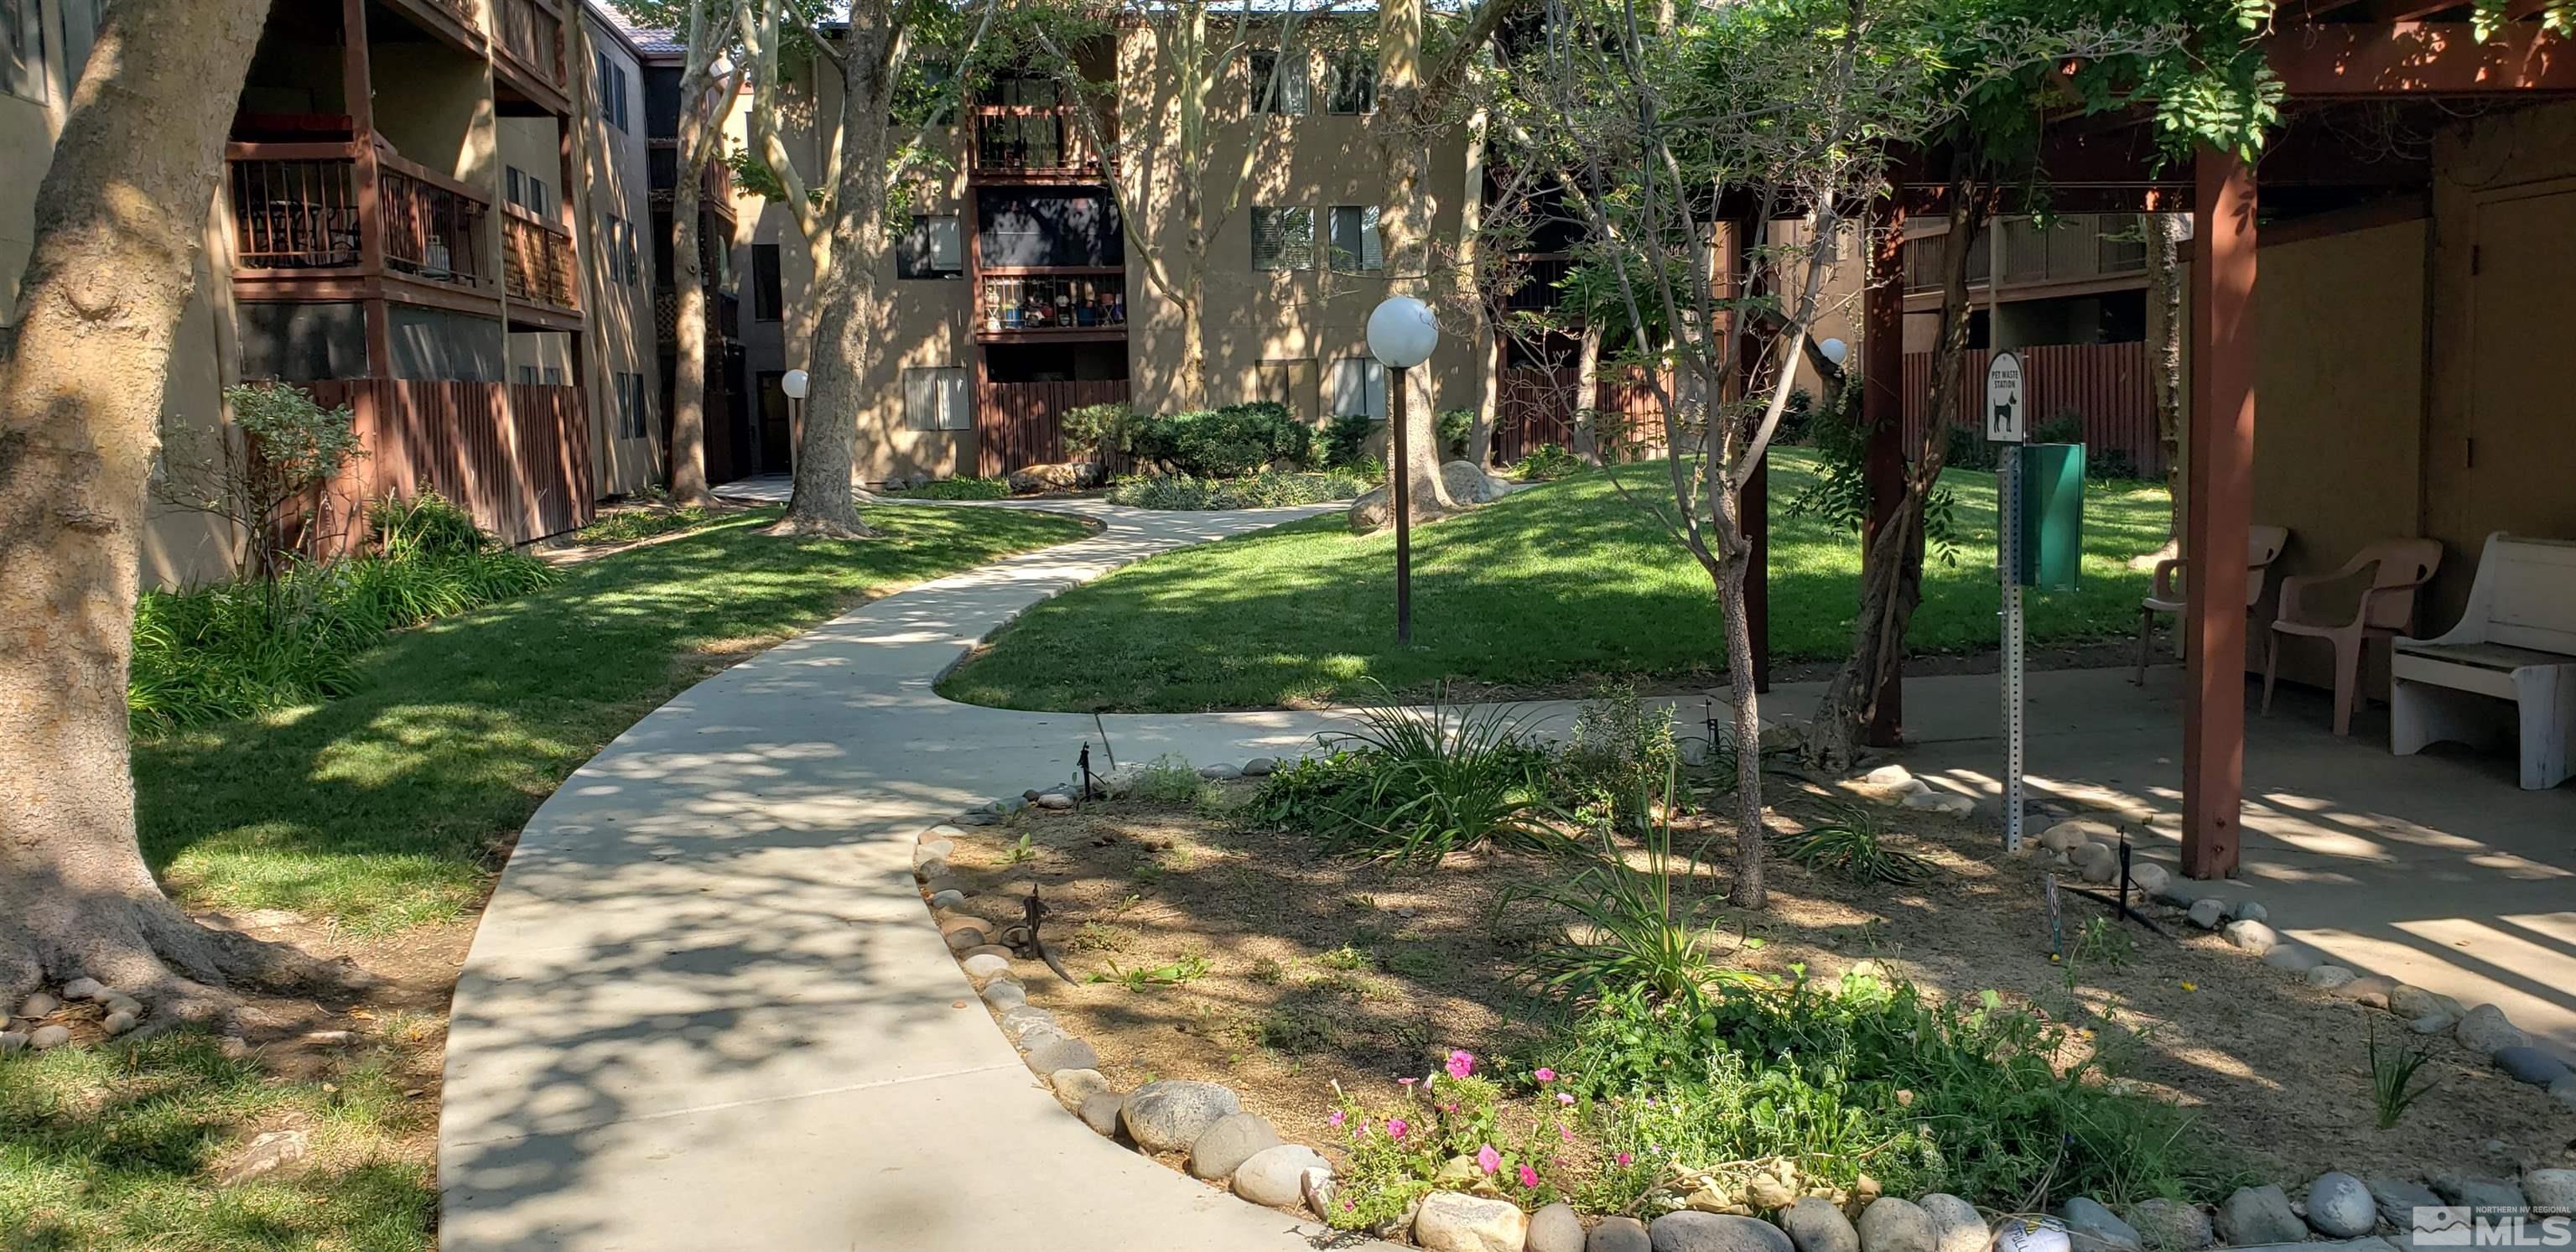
1204	1125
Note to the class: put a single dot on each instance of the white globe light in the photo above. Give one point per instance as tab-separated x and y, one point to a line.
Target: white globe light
1835	350
793	383
1402	332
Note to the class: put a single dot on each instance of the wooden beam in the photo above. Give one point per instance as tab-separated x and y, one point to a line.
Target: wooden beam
1881	370
2333	59
2408	10
2219	477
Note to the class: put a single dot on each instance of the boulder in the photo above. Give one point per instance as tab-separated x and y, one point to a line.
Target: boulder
1276	1176
1169	1115
2252	936
2485	1031
1893	1225
1260	767
1715	1232
2398	1199
2093	1228
1619	1234
1316	1183
1555	1229
1223	1147
1453	1221
1962	1227
2340	1206
1816	1225
2529	1064
1059	476
1371	512
1469	484
2171	1225
2255	1215
2552	1189
2477	1191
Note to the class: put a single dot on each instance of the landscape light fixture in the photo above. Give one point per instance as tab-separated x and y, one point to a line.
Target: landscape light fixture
1401	334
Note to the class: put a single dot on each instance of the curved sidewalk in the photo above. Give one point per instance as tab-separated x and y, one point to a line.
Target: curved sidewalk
705	1010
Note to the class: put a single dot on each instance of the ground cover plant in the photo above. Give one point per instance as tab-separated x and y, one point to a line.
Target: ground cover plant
1268	489
645	521
1536	593
962	487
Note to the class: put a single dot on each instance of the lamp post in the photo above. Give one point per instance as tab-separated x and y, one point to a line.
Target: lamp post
1401	335
793	383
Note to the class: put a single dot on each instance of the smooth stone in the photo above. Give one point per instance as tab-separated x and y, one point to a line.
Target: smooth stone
2255	1215
2249	909
1893	1225
118	1023
1020	1019
2068	836
1619	1234
270	1151
1962	1227
85	989
2410	1001
38	1005
2150	877
1073	1087
2171	1225
1062	1054
2093	1228
941	831
2434	1023
12	1041
1005	993
2553	1189
233	1047
2485	1031
2251	935
961	942
44	1037
2098	862
2207	914
931	870
1888	776
1555	1229
1315	1183
1815	1224
984	967
1037	1037
1715	1232
1276	1176
2398	1199
1168	1115
2369	989
1260	767
976	819
1223	1147
2329	977
935	850
2529	1064
947	898
2340	1207
2564	1091
1054	801
994	950
2478	1192
1100	1112
1220	772
2297	958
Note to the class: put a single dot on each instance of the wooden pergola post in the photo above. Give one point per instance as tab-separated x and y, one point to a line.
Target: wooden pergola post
2219	488
1882	412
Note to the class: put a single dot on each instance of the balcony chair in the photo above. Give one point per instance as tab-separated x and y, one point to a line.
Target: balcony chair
2263	546
2398	568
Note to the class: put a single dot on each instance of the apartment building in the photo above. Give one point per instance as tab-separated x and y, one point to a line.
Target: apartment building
427	213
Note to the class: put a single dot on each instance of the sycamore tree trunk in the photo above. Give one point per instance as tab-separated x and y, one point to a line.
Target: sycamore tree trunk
1892	567
2164	365
1405	127
1587	391
688	276
118	223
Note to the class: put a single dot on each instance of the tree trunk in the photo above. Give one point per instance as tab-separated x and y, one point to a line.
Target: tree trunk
119	220
1404	131
1482	358
1587	391
2164	364
1744	704
1892	568
688	280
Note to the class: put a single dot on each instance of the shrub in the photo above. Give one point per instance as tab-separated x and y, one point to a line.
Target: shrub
1417	786
1346	440
964	487
630	525
1454	425
1619	753
1094	429
1168	780
291	447
1222	443
1268	489
1969	449
1851	843
1546	461
1640	931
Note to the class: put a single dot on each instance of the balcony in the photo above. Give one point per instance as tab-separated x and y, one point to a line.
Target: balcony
530	34
1536	290
2080	251
433	226
298	219
537	261
1033	143
1061	305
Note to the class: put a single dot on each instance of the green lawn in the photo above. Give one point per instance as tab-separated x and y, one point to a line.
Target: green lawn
1552	584
388	807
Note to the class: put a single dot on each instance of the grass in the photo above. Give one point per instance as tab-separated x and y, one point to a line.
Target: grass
1550	585
644	522
390	805
116	1146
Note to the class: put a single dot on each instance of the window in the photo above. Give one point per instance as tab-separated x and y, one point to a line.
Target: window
529	192
1356	249
1283	239
528	375
935	399
612	90
931	249
554	376
634	419
81	20
766	298
1276	87
633	256
1350	84
22	47
617	251
1359	388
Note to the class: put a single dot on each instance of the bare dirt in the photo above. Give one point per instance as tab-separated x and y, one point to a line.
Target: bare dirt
1248	958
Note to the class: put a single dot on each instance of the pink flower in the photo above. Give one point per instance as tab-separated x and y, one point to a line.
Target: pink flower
1529	1177
1336	1119
1395	1127
1545	1075
1564	1097
1487	1159
1624	1158
1566	1133
1461	1063
1408	1084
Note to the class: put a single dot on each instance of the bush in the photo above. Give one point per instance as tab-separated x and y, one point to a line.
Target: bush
246	647
1094	429
1346	440
1454	425
1852	843
1267	489
1222	443
1417	786
965	487
1548	460
1969	449
629	525
1620	753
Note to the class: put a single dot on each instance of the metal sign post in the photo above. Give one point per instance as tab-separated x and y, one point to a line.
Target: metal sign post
2007	422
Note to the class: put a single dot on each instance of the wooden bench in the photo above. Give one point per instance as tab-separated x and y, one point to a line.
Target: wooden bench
2516	642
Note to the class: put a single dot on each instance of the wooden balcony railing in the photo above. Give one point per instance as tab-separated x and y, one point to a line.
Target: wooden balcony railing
1035	140
537	262
433	225
2077	248
1092	300
1540	273
531	35
294	206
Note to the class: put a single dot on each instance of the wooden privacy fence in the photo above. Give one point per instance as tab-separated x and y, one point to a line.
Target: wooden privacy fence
1536	406
2104	384
1019	424
515	456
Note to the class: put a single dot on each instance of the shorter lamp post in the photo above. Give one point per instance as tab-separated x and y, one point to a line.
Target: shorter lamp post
793	383
1401	335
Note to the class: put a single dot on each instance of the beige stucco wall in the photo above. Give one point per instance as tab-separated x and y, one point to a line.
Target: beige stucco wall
434	104
616	179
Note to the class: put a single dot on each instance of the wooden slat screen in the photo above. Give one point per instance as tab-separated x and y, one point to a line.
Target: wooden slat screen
2104	384
1019	424
515	456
